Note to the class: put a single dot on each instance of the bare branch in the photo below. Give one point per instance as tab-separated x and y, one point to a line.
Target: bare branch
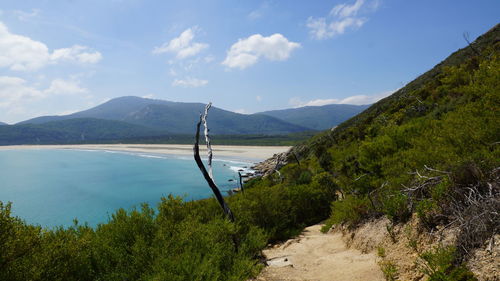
241	183
207	140
358	178
438	171
466	38
206	175
278	162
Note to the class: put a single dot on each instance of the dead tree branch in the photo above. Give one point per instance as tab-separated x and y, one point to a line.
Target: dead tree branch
276	168
466	38
206	175
207	140
241	182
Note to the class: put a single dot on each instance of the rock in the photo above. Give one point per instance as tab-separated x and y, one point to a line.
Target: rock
267	167
279	262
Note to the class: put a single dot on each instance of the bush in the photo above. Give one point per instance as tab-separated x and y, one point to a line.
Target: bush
352	210
395	205
438	264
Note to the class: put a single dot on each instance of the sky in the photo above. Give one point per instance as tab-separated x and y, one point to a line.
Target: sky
62	56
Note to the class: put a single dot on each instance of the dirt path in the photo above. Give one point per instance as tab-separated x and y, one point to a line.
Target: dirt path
314	256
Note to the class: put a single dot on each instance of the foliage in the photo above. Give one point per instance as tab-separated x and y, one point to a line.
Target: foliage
389	270
352	210
438	265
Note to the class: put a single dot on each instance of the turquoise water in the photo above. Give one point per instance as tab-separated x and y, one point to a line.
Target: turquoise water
53	187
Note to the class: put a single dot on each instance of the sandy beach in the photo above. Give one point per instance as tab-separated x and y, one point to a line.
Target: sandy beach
233	151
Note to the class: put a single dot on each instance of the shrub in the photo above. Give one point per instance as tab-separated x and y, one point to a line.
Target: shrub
395	205
351	210
438	264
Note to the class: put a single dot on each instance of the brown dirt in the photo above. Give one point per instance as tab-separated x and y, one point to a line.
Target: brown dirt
485	263
315	256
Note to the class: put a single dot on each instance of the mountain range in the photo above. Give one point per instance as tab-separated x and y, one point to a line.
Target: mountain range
134	117
317	117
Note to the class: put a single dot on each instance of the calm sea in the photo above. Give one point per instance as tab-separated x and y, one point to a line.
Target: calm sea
53	187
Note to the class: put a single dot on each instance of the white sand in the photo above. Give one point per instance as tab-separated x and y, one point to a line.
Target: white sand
250	152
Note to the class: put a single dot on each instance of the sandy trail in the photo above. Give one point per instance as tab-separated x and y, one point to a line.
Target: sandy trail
314	256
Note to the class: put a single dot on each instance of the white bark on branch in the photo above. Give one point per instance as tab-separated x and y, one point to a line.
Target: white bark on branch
206	175
207	140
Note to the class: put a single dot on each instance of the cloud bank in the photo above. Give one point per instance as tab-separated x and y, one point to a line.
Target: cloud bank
356	100
21	53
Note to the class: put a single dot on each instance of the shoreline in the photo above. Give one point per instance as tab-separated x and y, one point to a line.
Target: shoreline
254	153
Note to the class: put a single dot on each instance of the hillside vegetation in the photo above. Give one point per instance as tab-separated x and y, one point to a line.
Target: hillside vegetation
431	149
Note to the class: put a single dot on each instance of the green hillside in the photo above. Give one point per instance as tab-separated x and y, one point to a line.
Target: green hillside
317	117
80	130
179	117
421	150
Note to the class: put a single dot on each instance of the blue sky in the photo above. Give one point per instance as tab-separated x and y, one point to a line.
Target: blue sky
58	57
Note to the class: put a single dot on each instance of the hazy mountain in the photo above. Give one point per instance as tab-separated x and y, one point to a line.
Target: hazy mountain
318	117
178	117
115	109
2	123
74	131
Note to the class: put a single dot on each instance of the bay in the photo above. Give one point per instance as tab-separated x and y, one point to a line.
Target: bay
52	187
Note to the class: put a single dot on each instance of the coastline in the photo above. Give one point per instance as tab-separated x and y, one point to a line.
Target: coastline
257	153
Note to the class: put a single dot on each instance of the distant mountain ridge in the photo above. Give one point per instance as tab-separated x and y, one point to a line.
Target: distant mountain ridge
128	118
2	123
178	117
317	117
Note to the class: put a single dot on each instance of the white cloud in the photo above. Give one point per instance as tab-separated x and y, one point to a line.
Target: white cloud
60	86
240	111
247	52
172	72
209	59
258	98
189	82
345	10
182	46
21	53
68	112
76	53
150	96
341	18
259	12
14	90
24	16
356	100
255	14
20	99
